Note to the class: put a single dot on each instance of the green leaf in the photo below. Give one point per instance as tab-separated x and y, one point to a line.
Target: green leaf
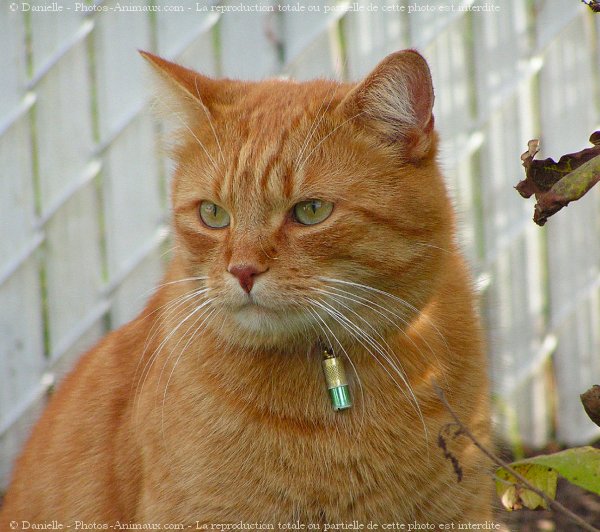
580	466
514	496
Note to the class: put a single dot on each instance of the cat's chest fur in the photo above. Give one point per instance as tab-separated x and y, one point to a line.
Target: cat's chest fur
278	464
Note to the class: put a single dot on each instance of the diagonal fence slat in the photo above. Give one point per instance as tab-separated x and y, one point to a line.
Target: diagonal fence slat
72	265
381	32
132	210
249	43
22	361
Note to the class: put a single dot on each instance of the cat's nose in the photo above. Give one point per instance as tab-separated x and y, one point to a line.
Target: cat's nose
246	274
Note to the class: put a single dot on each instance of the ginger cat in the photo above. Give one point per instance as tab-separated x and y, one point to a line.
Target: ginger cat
304	214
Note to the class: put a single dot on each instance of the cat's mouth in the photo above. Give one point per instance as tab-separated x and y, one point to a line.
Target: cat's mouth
255	309
258	317
253	306
254	303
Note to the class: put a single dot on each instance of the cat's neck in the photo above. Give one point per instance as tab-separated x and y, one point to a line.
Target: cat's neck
286	381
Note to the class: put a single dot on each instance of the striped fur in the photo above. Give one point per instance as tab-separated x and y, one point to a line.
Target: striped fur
210	406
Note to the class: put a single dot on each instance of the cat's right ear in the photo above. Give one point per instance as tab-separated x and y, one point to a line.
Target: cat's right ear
181	91
395	101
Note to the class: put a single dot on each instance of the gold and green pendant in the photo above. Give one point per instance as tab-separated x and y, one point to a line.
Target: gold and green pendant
336	381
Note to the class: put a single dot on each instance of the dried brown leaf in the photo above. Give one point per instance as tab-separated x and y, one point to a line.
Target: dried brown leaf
591	403
594	5
556	184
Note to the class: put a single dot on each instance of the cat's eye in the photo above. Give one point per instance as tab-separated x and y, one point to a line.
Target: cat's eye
312	211
213	215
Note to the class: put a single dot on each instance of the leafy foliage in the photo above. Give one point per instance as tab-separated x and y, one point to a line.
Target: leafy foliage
515	496
580	466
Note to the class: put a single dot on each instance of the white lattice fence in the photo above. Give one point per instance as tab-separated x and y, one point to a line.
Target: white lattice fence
83	206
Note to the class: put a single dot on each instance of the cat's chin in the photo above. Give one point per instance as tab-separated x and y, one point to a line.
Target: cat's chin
261	325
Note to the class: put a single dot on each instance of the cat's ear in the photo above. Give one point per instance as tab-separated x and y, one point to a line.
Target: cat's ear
396	101
181	91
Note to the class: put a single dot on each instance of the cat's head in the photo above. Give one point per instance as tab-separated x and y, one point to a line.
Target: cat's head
310	209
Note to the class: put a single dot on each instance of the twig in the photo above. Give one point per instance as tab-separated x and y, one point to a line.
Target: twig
501	463
570	188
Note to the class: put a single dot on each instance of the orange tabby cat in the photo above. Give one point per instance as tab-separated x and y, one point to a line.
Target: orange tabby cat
305	215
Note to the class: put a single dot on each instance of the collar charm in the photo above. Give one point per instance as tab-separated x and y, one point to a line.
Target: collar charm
336	381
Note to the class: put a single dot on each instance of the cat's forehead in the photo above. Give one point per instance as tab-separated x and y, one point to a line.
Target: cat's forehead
274	137
285	94
277	105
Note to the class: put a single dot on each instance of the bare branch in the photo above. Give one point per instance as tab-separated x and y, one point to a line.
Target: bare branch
501	463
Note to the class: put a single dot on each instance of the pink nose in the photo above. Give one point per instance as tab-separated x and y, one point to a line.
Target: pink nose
245	274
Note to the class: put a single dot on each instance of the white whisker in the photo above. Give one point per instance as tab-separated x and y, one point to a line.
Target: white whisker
351	296
387	356
327	136
314	126
178	116
165	340
343	320
186	279
206	112
206	315
170	308
399	300
323	325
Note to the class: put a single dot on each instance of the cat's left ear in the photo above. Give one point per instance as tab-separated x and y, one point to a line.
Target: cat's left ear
181	90
396	101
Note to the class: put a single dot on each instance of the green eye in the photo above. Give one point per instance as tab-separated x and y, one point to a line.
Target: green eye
213	216
312	211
